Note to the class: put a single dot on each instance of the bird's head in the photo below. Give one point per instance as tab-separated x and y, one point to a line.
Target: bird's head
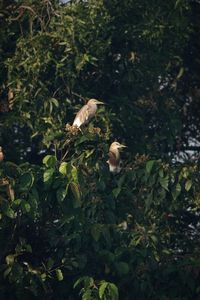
116	145
94	101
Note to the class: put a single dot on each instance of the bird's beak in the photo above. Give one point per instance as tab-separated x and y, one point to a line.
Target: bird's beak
99	102
123	146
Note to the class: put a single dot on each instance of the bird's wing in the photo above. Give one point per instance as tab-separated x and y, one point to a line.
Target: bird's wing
84	115
113	160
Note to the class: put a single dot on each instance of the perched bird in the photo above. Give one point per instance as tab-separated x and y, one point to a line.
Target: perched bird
86	113
1	154
114	157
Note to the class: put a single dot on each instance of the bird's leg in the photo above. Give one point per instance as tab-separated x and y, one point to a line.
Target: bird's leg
80	130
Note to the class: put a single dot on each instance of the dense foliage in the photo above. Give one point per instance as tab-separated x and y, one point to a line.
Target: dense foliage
68	228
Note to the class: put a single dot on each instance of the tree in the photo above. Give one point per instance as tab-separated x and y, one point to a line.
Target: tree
70	229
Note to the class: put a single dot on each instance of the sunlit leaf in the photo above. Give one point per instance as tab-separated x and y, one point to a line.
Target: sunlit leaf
188	185
48	174
59	274
102	289
49	161
64	168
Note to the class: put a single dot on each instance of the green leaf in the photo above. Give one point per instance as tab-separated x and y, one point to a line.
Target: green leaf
10	259
96	231
25	206
76	193
50	263
87	295
7	210
185	172
122	268
64	168
26	181
188	185
50	161
102	288
149	166
86	280
164	182
180	73
48	174
176	191
74	173
61	194
113	290
59	274
116	192
161	173
55	102
7	272
80	61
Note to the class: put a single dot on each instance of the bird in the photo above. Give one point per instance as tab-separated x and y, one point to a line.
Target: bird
86	113
114	161
1	154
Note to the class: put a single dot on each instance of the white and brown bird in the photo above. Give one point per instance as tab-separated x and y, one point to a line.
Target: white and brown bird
86	113
1	154
114	161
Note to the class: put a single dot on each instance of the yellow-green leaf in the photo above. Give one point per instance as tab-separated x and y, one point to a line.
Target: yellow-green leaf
188	185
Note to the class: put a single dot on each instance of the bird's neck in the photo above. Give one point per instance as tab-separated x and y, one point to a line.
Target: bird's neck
116	153
93	106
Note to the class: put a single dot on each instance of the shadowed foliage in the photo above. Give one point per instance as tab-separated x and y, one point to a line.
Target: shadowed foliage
68	228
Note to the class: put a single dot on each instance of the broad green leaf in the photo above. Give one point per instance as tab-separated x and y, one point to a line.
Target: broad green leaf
26	181
50	161
185	172
48	174
64	167
96	231
25	206
176	191
7	210
164	182
10	259
86	280
87	295
113	291
188	185
149	166
102	289
50	263
59	274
